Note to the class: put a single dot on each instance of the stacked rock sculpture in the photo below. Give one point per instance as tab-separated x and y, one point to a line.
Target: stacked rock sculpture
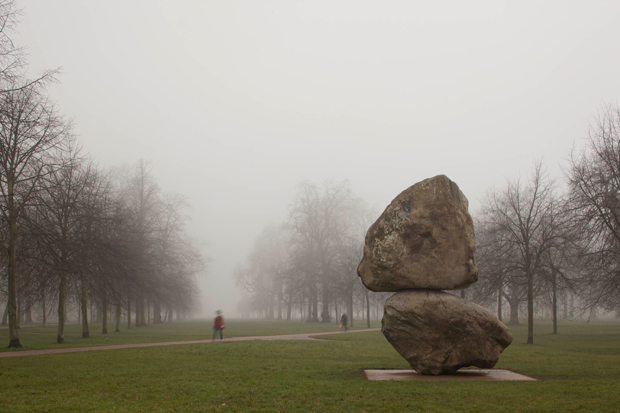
424	243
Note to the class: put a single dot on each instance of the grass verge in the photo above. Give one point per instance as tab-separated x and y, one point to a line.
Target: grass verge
579	370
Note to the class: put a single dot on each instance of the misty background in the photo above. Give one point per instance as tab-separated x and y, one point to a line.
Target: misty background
235	103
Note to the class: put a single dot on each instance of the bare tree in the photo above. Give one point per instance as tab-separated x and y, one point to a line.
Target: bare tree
526	219
494	270
141	195
12	59
90	194
176	261
312	260
594	203
349	249
316	219
31	133
559	268
111	250
63	227
267	268
145	253
501	270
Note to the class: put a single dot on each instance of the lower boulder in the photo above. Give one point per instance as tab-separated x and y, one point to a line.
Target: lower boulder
438	333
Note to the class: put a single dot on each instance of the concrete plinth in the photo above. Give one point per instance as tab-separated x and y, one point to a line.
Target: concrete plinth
461	375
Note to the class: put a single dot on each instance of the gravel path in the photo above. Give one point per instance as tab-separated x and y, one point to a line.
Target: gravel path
304	336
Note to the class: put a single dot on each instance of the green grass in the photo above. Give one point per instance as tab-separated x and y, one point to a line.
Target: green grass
34	337
579	370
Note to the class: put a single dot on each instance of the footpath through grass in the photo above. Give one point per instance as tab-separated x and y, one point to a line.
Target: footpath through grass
34	337
579	370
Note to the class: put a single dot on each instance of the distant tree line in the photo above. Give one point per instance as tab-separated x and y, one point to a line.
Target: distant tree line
104	243
540	252
306	267
547	252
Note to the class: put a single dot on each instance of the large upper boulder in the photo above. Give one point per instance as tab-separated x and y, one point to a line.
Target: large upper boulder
437	332
423	239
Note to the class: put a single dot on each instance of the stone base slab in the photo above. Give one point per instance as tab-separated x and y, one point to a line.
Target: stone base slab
461	375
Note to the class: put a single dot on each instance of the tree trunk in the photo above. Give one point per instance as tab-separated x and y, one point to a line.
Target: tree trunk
270	310
43	306
84	306
315	305
138	322
62	296
128	312
280	292
565	306
98	315
530	308
118	315
104	310
156	312
514	311
19	312
289	307
325	317
351	308
12	282
367	309
142	313
28	312
555	304
499	304
336	308
6	315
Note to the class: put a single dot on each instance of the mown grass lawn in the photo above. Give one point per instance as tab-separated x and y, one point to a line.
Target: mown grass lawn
579	370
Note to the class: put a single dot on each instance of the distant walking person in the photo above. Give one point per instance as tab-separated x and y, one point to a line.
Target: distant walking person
218	325
343	321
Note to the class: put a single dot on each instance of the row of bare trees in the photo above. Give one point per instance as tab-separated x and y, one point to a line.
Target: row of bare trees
308	265
69	230
538	245
72	232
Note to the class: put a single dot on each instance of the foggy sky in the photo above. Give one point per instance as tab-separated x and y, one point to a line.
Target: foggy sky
235	103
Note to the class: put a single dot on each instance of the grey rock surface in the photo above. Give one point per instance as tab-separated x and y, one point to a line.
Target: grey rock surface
423	239
439	333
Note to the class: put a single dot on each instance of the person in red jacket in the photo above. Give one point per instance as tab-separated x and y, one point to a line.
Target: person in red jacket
218	325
